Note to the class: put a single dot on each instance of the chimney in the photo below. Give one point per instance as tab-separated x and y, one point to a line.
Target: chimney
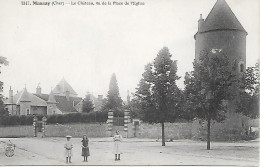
11	96
38	90
67	93
200	23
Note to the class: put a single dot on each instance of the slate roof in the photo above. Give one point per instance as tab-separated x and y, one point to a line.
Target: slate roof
62	87
64	105
25	96
221	17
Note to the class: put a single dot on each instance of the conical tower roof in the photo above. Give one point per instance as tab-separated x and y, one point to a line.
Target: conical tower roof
24	96
62	87
51	98
221	17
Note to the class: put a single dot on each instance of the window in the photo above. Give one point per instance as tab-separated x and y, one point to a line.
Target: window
242	68
28	111
54	112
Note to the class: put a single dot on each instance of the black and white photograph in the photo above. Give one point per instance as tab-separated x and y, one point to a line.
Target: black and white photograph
129	83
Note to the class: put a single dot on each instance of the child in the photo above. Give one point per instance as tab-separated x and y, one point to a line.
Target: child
117	140
68	149
85	149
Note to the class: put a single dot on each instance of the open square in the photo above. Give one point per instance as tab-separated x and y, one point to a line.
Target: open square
50	151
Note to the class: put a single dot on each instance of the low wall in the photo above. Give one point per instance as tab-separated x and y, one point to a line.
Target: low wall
172	131
17	131
234	127
76	130
57	130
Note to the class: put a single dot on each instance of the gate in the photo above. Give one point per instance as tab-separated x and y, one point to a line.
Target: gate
118	121
39	126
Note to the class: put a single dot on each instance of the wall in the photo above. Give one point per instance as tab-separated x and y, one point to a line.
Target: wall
232	43
12	109
17	131
79	106
76	130
234	127
23	107
172	131
41	110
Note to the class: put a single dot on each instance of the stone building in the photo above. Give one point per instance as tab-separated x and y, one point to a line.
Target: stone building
62	100
222	32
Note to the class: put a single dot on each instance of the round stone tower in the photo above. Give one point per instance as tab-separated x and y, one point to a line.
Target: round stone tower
222	32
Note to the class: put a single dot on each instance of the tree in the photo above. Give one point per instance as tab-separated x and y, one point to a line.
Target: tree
135	108
248	101
87	104
208	88
3	111
113	99
157	90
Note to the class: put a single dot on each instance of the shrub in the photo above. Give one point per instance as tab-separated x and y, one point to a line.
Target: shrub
53	119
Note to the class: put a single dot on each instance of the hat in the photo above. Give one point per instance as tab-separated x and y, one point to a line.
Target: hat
68	136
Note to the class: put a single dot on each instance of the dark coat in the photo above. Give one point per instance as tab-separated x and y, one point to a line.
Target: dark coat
85	149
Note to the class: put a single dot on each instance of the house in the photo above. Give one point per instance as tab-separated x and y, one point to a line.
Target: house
61	100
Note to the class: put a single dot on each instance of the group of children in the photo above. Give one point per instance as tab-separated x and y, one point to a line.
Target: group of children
85	149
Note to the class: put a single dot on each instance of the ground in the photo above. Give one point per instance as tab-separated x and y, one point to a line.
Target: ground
50	151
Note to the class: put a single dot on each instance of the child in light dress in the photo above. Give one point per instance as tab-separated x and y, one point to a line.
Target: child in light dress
117	140
68	149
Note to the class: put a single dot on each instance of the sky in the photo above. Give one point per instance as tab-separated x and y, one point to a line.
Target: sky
86	44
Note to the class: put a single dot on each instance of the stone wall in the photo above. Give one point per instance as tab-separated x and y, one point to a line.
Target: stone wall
234	127
172	131
58	130
76	130
17	131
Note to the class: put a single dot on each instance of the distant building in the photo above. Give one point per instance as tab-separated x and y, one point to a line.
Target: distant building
97	102
62	100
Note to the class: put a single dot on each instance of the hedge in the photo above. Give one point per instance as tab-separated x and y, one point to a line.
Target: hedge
91	117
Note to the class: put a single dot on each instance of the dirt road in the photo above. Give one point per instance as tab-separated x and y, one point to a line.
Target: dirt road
50	151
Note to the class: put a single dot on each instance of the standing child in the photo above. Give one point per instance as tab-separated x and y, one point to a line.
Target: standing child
117	141
85	149
68	149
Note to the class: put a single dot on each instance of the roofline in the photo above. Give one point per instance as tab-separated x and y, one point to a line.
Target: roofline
230	10
50	102
219	30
